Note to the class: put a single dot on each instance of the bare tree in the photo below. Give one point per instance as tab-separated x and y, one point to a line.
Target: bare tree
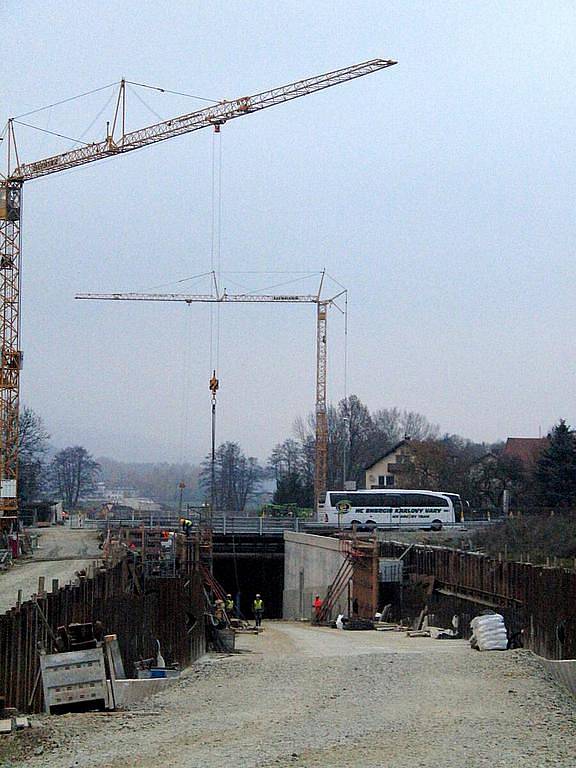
32	447
392	425
237	478
417	427
75	471
388	426
286	458
355	436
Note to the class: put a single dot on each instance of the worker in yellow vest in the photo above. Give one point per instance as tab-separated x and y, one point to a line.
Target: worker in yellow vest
187	526
229	605
258	610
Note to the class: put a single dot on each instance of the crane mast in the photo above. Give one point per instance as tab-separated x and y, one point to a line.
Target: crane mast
10	354
322	305
321	463
10	223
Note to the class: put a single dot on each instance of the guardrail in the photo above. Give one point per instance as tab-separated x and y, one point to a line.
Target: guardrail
225	525
234	525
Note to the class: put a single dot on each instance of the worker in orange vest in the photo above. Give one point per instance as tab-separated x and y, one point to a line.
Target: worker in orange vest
318	603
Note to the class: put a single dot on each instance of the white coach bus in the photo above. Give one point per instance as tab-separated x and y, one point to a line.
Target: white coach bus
393	508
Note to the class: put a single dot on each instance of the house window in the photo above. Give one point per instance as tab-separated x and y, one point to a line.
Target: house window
389	480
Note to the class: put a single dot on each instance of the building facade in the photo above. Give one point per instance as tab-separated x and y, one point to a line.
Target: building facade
390	469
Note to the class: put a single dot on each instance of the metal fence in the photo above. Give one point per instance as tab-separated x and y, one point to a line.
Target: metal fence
542	599
228	525
225	525
137	611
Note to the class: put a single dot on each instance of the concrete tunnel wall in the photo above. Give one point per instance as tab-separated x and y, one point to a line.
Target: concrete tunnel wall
310	565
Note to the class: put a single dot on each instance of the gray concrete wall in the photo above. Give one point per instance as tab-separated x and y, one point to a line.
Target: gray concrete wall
310	565
563	672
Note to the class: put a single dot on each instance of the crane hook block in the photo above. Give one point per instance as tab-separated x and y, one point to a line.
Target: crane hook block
214	384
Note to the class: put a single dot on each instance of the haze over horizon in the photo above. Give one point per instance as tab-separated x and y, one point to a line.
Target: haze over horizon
439	192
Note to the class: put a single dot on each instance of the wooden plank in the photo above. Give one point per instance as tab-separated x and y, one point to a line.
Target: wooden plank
113	649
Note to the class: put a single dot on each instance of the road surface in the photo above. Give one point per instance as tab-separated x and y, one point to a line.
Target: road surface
61	553
310	697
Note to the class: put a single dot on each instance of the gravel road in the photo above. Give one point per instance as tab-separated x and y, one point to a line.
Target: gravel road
302	696
77	546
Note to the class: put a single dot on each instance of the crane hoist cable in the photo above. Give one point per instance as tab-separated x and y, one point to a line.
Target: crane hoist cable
215	265
215	310
186	385
216	240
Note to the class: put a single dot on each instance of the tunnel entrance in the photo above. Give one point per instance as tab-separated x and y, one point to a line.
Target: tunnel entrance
251	575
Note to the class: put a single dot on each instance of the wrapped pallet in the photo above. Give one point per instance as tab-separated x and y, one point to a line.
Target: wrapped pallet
489	633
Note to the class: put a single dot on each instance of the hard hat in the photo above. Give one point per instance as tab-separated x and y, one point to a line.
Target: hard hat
257	595
228	595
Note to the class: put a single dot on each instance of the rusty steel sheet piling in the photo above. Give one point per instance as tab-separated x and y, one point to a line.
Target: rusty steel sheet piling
539	599
138	611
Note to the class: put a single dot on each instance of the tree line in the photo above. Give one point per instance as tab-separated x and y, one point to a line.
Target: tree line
357	437
479	472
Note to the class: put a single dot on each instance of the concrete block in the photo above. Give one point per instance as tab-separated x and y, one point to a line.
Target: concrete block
127	692
6	726
564	672
22	722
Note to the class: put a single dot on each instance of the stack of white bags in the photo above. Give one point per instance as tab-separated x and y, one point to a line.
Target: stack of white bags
489	633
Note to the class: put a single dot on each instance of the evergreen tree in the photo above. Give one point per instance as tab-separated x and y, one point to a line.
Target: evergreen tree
556	469
291	490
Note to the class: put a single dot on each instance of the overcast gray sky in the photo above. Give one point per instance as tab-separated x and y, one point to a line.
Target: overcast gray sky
440	192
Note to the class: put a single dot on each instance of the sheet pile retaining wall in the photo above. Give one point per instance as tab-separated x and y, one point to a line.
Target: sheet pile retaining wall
138	611
542	598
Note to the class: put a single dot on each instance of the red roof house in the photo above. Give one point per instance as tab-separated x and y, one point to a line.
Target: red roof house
526	449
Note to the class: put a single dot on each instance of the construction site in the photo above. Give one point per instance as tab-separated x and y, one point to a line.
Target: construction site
196	635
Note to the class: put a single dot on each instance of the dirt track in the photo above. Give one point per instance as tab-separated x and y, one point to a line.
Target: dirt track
302	696
77	546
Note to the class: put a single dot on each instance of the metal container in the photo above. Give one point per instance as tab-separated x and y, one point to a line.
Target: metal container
72	678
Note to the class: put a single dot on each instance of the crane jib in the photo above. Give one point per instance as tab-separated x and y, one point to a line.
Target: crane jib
203	118
10	249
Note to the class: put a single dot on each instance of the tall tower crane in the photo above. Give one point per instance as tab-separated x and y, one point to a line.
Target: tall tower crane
116	142
322	306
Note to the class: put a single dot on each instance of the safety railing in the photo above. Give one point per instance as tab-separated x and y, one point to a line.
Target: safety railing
229	524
